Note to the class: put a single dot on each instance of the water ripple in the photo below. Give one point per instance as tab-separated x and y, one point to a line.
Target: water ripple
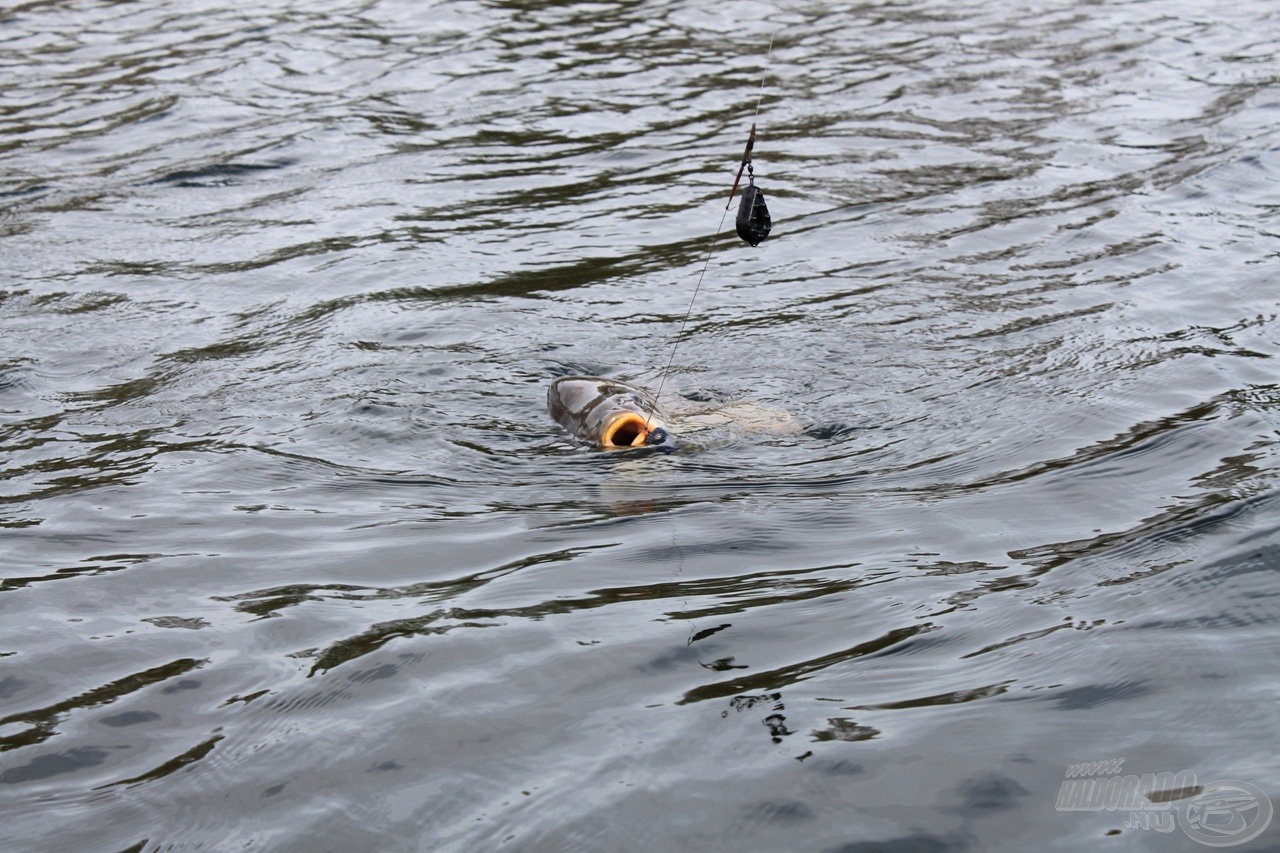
285	287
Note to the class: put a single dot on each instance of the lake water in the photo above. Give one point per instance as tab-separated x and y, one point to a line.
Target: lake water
294	558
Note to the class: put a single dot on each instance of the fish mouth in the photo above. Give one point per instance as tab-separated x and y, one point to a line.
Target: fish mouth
625	429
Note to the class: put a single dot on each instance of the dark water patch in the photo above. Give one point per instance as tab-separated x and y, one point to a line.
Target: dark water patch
269	602
1143	438
707	632
222	174
785	812
891	641
954	697
738	595
379	635
59	574
191	623
724	664
95	460
181	685
922	843
11	686
47	766
308	701
1023	638
173	765
129	718
1092	696
989	793
81	303
30	190
844	730
1179	523
94	565
43	722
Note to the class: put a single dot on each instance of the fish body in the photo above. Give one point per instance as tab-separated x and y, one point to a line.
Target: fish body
607	413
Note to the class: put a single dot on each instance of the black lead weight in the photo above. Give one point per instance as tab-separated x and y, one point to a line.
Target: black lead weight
753	216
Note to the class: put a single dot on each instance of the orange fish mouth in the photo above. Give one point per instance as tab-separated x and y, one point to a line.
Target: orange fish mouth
626	429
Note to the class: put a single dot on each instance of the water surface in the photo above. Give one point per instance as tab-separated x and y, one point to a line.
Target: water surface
294	559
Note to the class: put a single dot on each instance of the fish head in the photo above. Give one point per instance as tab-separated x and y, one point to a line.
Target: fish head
610	414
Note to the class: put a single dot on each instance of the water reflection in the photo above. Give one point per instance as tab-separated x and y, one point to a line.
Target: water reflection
285	290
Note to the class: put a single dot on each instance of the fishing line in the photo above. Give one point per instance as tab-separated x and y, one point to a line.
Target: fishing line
757	221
